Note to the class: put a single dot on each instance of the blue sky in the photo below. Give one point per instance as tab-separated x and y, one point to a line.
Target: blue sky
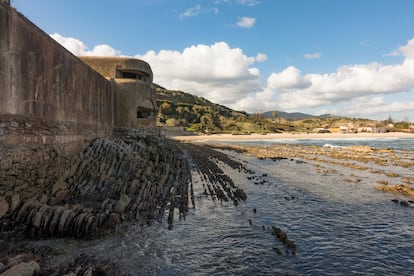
347	57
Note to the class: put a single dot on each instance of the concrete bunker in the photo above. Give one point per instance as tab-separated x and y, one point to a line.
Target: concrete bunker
132	74
135	103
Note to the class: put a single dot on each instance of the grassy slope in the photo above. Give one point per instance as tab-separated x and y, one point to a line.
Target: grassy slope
177	108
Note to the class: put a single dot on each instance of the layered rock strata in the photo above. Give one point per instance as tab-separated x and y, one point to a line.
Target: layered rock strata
217	185
108	182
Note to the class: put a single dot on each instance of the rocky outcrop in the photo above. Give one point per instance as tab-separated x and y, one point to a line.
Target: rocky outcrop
216	183
283	237
85	265
23	269
18	259
108	182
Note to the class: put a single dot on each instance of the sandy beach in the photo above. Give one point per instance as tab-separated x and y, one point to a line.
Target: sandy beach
287	135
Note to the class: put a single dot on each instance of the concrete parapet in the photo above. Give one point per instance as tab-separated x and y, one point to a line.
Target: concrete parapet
120	67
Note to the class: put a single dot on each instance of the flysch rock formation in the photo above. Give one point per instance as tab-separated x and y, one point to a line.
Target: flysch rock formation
91	193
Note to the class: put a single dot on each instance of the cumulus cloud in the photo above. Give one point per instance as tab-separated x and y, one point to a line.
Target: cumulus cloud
260	57
217	72
78	48
372	106
352	90
226	75
254	71
377	105
260	101
191	12
312	56
297	91
406	50
246	22
288	79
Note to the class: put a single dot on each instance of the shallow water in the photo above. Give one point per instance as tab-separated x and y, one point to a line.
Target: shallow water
339	228
393	143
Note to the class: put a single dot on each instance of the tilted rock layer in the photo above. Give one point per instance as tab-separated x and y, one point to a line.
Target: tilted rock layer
81	195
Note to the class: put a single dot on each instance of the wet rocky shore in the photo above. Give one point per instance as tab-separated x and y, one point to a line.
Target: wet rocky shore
217	185
91	192
85	195
109	186
384	169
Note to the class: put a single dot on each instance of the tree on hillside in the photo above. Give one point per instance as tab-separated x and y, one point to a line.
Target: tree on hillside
165	108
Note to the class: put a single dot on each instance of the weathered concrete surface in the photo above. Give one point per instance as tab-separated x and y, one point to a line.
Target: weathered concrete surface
112	67
41	80
135	101
128	102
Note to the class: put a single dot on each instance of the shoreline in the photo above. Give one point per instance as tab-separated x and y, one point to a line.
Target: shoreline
275	136
383	169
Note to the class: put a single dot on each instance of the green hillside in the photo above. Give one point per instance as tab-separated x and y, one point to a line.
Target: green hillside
196	114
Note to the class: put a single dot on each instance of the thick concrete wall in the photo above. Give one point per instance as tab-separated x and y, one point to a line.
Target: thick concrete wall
46	93
135	103
128	103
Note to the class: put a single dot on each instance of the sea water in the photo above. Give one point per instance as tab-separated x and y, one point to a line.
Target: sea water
339	228
392	143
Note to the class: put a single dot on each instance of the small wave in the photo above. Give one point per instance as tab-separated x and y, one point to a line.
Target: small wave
331	146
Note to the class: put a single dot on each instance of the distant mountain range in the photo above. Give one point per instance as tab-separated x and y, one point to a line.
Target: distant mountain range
298	115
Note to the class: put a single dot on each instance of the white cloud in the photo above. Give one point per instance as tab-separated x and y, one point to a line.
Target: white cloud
78	48
246	22
394	53
288	79
372	107
254	71
312	56
226	75
395	107
217	72
377	105
191	11
104	50
250	3
260	57
349	82
217	2
353	90
260	101
408	49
